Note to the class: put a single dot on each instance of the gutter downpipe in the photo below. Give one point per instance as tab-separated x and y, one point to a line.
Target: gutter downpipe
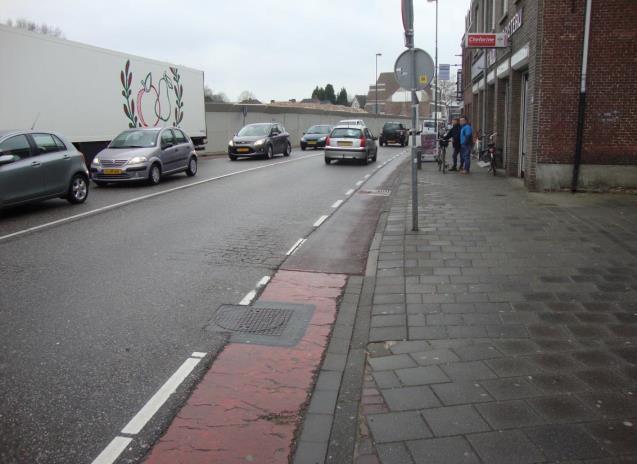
581	110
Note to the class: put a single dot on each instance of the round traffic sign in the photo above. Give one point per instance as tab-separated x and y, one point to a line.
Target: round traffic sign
424	69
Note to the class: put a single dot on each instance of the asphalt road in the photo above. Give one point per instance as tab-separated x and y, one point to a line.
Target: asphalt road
97	312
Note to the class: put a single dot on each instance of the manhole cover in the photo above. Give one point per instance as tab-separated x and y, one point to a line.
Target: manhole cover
264	323
377	193
247	319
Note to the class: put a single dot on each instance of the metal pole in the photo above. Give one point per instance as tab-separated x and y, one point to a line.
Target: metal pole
436	76
414	151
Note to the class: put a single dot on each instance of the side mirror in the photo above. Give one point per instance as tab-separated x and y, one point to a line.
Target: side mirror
6	159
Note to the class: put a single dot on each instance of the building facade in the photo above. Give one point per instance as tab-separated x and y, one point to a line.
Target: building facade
387	97
529	93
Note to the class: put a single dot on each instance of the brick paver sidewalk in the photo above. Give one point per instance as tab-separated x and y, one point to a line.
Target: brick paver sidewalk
504	331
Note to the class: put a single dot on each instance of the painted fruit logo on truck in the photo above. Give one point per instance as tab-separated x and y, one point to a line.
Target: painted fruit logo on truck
152	102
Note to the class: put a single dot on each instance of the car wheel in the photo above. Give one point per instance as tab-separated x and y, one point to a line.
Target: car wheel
365	161
269	154
328	161
154	175
78	189
191	171
288	149
375	157
232	157
407	142
303	147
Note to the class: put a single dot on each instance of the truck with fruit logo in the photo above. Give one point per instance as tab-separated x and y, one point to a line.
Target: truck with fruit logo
91	94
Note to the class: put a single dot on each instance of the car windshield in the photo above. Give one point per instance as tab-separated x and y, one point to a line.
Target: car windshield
391	126
319	130
255	130
346	133
135	139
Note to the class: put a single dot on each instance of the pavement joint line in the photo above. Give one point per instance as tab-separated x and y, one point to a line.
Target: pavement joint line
297	244
349	192
248	298
138	422
337	203
102	209
320	221
112	451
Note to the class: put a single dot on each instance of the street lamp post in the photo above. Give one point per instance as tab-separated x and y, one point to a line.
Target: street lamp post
435	77
376	81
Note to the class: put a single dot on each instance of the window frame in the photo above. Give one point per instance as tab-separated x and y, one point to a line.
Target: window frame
45	152
161	137
179	131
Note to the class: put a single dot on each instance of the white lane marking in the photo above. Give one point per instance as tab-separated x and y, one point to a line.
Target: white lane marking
320	221
337	203
248	298
112	451
141	198
198	354
295	247
349	192
367	176
359	183
263	282
138	422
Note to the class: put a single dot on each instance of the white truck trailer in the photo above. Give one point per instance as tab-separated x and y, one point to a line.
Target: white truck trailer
91	94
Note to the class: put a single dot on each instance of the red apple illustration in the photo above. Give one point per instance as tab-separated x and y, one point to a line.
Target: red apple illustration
146	99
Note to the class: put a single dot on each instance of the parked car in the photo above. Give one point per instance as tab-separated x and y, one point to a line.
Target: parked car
351	142
351	122
261	139
394	132
38	165
315	136
145	155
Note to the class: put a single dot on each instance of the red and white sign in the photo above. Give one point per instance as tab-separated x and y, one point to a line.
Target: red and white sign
479	40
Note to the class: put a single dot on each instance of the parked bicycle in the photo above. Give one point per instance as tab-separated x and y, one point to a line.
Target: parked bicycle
488	155
441	157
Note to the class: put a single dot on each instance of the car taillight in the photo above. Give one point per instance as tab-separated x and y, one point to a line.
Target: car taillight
363	142
327	141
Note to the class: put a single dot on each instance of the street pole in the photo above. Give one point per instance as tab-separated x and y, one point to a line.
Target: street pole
376	81
436	76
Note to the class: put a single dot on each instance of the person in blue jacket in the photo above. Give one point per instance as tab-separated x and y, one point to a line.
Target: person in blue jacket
466	143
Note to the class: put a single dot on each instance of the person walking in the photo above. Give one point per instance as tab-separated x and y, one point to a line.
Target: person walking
466	143
453	134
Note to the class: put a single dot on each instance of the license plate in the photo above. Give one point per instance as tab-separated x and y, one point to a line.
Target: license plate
243	150
113	171
311	142
344	144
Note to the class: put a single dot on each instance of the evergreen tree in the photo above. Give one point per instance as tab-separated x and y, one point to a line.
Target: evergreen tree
342	98
330	94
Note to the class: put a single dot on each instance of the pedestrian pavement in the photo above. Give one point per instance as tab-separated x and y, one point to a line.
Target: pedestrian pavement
503	331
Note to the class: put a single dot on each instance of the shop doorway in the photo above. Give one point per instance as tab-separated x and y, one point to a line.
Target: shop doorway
523	124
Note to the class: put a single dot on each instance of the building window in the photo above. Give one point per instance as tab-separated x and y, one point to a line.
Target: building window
504	8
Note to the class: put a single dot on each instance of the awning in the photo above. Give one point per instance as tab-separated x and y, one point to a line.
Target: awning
520	58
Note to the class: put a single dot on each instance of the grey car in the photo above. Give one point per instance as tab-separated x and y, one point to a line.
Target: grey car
260	140
145	155
348	142
38	165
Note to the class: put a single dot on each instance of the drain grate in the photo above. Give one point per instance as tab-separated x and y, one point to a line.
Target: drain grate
377	193
264	323
247	319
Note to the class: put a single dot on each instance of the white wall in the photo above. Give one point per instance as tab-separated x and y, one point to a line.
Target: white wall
228	120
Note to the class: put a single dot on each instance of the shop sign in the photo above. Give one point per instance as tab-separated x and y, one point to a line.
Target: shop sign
514	24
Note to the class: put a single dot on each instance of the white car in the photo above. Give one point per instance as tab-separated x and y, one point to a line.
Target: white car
352	122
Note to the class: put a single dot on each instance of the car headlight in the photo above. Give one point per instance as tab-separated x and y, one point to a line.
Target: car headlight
231	143
259	142
322	139
137	160
96	161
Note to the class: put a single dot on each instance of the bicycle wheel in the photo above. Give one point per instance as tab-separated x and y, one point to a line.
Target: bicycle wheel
444	161
438	160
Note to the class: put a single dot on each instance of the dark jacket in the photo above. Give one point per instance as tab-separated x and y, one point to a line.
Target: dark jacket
454	135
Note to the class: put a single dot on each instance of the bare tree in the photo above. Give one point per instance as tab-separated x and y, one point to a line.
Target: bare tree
246	95
211	96
32	26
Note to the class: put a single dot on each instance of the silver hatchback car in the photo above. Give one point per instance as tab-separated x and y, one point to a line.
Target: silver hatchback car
347	142
38	165
146	155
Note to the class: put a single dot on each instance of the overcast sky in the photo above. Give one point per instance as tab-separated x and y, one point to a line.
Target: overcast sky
278	49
